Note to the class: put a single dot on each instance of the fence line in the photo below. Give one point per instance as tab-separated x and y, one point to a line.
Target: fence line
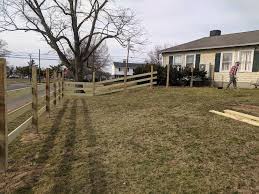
37	112
111	86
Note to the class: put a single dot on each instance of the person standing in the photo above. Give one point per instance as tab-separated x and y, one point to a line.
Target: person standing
233	74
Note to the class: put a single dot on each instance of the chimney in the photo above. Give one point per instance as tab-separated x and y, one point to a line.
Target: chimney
215	33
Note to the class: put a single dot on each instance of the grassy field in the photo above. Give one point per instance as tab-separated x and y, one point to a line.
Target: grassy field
144	141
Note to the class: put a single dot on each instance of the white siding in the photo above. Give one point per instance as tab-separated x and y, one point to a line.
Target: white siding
116	72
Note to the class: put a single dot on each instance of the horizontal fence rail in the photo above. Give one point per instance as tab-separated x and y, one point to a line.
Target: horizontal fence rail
36	107
111	86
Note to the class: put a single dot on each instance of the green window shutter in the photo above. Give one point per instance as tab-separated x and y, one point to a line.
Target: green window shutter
256	62
171	59
198	60
217	62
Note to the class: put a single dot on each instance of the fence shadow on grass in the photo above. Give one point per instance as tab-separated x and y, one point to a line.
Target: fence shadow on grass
46	149
49	141
96	173
65	166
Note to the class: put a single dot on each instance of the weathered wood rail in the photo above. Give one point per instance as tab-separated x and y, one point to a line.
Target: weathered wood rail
111	86
50	99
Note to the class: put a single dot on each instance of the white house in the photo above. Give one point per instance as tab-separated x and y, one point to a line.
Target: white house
217	53
118	68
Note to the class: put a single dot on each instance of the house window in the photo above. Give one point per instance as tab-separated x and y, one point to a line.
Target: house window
178	60
190	60
119	69
227	61
128	69
246	60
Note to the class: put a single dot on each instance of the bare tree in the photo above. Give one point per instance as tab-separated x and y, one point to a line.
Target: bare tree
99	59
154	56
66	24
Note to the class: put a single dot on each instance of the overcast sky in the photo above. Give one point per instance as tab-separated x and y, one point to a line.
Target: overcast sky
166	22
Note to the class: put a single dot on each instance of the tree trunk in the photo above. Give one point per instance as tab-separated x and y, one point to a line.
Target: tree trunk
76	69
79	75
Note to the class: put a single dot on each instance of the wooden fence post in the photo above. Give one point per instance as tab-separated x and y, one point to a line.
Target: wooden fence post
59	86
125	78
212	74
93	83
3	118
47	91
191	82
55	87
62	83
35	121
168	76
152	76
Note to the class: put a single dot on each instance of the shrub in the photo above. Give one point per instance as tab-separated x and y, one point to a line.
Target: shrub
178	76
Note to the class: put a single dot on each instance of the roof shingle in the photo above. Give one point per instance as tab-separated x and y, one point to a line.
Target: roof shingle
222	41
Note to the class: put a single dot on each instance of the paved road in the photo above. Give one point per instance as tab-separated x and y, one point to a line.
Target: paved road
17	86
17	102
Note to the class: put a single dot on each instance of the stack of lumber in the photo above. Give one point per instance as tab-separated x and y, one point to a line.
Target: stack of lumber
245	118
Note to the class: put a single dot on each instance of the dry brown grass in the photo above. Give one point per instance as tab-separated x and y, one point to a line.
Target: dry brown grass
143	141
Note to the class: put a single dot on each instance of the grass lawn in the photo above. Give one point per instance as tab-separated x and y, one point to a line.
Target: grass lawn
143	141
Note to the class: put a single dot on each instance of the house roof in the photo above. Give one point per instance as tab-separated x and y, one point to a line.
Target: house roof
223	41
130	65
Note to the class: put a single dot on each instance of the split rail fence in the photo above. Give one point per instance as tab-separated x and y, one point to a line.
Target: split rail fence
49	99
111	86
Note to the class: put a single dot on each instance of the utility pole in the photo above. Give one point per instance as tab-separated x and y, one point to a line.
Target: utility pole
39	68
30	67
126	67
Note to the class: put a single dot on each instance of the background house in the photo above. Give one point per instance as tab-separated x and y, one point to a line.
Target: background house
118	68
217	53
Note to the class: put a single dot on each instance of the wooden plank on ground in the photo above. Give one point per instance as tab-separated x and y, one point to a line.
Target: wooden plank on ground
3	118
238	118
242	115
